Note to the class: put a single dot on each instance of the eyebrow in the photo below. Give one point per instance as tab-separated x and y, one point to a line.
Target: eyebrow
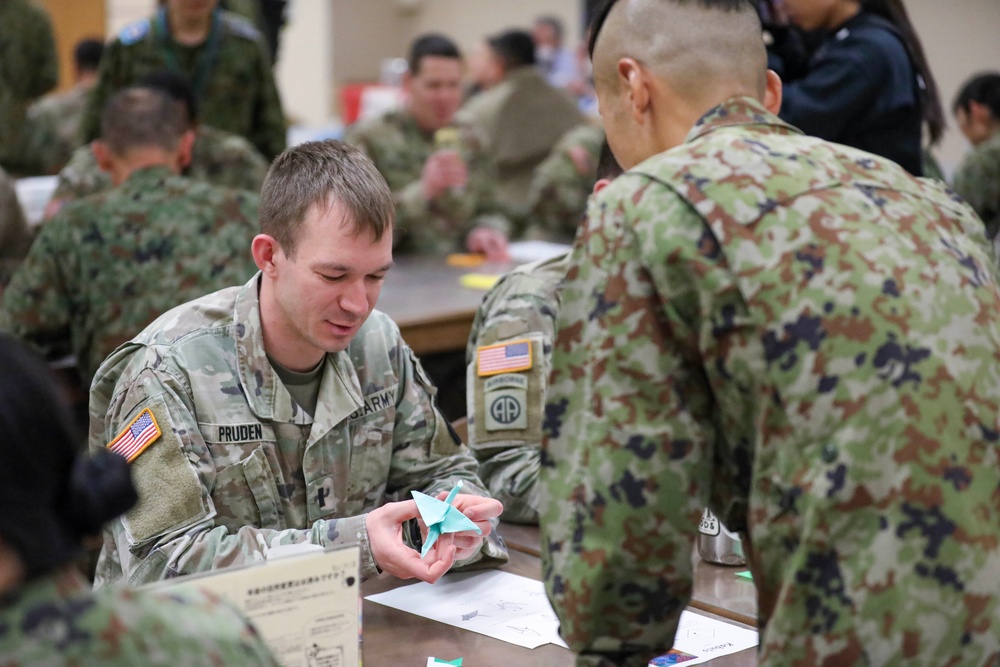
343	268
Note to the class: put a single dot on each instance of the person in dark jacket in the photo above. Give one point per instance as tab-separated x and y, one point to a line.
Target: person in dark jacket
868	84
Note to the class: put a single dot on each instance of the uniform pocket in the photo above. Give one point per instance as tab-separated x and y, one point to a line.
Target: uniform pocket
245	494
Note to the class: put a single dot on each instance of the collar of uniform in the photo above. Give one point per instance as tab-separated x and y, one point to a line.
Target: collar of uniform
340	390
143	177
737	111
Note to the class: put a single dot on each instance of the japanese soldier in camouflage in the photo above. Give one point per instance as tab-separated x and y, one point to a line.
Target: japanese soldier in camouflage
108	265
287	410
221	54
217	157
52	498
443	182
798	335
977	179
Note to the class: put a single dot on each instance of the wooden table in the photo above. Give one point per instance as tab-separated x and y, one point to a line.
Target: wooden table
393	637
717	589
425	297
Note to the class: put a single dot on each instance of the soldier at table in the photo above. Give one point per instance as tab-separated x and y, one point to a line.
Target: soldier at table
800	336
443	182
287	410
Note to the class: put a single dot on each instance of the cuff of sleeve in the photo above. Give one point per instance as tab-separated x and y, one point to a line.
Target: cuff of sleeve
350	530
411	203
495	222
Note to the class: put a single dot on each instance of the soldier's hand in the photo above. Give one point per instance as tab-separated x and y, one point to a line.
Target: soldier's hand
385	536
480	510
490	242
444	170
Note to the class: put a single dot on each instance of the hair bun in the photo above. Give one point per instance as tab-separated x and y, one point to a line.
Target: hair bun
100	489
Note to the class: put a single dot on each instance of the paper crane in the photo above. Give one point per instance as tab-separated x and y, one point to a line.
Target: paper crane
441	517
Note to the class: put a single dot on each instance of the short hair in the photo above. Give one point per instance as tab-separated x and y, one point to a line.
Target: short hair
142	117
600	14
431	45
554	23
983	88
176	86
607	163
87	54
514	48
323	173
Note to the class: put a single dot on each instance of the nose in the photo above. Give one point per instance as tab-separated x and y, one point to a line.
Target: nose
354	299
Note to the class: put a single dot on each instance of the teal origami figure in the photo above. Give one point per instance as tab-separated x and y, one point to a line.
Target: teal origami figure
441	517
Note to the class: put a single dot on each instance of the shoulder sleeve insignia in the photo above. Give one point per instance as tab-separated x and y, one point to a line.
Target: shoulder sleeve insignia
134	32
136	437
504	358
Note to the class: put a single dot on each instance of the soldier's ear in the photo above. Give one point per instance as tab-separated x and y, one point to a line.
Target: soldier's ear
102	154
185	149
265	249
772	94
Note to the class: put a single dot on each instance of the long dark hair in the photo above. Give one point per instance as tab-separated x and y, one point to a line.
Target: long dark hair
894	12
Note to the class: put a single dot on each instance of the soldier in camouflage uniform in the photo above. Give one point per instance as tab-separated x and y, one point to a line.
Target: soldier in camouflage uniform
217	157
796	334
222	55
50	499
29	68
561	185
110	264
443	184
505	406
54	120
283	412
15	236
977	180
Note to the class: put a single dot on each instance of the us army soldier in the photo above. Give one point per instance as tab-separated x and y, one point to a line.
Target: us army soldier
286	410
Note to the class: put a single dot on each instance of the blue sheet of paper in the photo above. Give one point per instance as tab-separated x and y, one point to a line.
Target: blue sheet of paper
441	517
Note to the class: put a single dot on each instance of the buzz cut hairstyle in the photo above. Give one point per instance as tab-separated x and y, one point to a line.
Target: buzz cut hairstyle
514	48
139	117
554	23
983	88
431	45
600	15
324	173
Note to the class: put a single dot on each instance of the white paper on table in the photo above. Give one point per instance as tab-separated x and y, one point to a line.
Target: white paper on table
497	604
700	639
522	252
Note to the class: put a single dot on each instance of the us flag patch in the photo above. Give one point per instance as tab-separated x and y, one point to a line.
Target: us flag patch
136	437
504	358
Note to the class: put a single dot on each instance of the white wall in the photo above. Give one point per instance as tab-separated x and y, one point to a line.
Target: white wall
961	37
305	67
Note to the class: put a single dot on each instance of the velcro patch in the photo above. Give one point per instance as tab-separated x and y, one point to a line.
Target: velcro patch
136	437
506	410
504	358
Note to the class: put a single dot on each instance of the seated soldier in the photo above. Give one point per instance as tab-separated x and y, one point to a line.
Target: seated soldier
217	157
442	181
287	410
109	264
506	405
977	180
52	499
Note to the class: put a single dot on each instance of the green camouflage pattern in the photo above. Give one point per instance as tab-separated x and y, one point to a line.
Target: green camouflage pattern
399	149
522	305
977	181
218	157
54	128
804	339
56	621
557	200
29	68
240	95
108	265
15	235
239	464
